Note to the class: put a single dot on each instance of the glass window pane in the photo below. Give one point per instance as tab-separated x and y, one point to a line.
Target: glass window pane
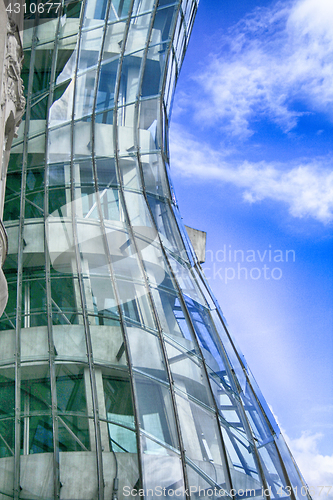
36	428
60	243
137	35
69	341
86	203
6	437
34	205
60	136
127	129
73	431
73	9
187	283
205	481
242	463
129	172
62	107
273	470
135	303
207	336
162	21
295	480
162	472
107	341
39	107
188	374
35	390
201	438
153	70
43	63
106	86
149	113
89	48
146	353
7	405
40	435
34	344
174	320
137	210
65	300
155	414
59	202
7	386
130	78
8	319
166	226
71	389
110	204
255	415
142	6
58	172
153	259
113	38
12	209
106	172
84	94
103	298
119	413
123	254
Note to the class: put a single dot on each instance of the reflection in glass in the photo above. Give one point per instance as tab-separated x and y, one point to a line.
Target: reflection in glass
115	365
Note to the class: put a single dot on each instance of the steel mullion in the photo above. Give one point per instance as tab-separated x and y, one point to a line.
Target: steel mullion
183	456
218	310
140	79
122	321
241	409
296	467
17	432
227	471
130	229
98	445
231	378
155	314
163	110
162	93
242	415
189	319
284	471
100	212
54	404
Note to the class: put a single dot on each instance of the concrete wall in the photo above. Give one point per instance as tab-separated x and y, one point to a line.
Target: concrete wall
198	240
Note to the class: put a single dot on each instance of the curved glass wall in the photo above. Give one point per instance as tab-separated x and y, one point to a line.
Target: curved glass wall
117	372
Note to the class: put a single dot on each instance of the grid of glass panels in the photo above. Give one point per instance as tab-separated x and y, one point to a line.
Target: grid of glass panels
117	372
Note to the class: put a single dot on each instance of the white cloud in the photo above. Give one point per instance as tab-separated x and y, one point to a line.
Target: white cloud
268	63
306	186
317	469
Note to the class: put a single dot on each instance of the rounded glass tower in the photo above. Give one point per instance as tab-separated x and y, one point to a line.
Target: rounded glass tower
118	376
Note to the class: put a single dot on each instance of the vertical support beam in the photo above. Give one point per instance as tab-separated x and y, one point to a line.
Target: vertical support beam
130	228
79	259
17	433
51	346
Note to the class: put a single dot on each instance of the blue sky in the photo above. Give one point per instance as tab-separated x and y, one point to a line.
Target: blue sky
251	158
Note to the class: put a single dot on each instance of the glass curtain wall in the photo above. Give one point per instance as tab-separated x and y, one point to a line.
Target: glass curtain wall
117	372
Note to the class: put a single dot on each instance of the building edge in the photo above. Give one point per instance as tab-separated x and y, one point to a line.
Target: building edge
12	105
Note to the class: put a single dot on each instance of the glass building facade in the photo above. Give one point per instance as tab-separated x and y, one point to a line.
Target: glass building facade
117	371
